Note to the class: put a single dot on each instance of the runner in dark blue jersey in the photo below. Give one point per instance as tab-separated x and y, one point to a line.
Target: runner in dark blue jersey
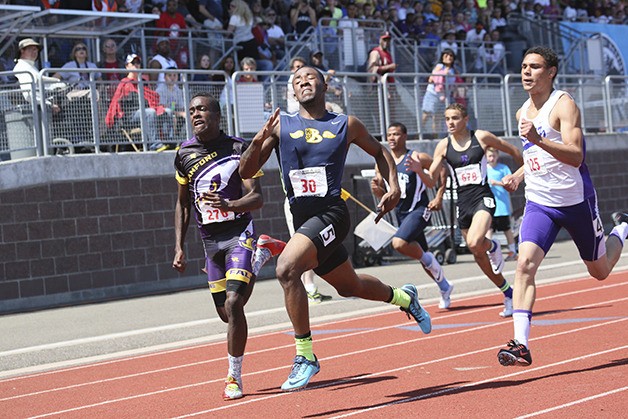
311	147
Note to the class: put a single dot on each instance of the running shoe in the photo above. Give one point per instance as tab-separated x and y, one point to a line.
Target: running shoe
302	372
514	353
233	389
445	300
317	298
496	257
507	311
415	310
266	248
435	269
511	256
619	217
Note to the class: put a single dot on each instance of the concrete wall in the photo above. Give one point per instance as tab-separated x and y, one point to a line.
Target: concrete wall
85	228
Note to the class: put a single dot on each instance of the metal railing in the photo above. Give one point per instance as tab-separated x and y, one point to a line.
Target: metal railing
33	128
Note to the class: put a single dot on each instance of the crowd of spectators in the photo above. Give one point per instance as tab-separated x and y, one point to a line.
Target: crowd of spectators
260	29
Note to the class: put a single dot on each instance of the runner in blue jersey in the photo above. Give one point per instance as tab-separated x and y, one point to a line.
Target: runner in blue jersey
413	211
463	151
311	147
210	187
559	193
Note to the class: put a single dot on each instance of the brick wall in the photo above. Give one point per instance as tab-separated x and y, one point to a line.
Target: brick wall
86	228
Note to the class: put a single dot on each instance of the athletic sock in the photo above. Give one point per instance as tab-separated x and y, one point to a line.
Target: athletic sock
521	320
443	285
304	346
506	289
400	298
620	231
311	288
426	259
235	366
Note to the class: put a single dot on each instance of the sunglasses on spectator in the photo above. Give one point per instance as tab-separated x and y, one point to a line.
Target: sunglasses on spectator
80	49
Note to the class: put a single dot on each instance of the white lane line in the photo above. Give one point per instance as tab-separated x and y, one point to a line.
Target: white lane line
575	402
259	313
362	351
488	380
323	339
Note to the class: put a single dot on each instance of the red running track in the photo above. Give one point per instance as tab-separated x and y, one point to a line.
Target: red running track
374	366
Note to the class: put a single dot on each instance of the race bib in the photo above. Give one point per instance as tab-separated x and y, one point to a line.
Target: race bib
469	175
212	215
311	181
535	163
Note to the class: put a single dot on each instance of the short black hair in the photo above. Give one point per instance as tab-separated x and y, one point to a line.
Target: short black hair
214	105
548	54
399	125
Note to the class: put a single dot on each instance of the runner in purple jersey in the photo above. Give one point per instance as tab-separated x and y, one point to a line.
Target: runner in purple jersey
559	193
210	187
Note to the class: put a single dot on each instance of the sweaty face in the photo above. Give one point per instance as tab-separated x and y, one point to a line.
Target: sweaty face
203	119
307	84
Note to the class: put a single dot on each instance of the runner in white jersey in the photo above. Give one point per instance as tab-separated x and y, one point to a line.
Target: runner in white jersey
559	193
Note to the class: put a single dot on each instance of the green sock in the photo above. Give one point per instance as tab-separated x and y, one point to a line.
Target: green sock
304	347
400	298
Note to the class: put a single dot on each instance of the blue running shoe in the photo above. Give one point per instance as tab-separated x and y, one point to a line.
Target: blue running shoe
302	372
415	310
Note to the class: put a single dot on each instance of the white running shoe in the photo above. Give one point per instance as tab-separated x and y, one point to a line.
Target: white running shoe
507	312
496	257
435	269
445	297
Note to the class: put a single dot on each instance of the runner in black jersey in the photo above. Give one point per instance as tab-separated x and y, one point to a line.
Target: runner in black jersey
210	187
413	211
311	147
463	152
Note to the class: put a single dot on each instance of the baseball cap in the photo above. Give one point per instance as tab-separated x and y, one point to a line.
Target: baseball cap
129	58
316	52
385	35
162	39
28	42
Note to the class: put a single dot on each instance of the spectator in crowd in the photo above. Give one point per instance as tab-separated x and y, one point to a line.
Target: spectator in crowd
171	97
302	17
104	5
161	60
28	54
439	88
335	11
470	11
228	66
248	64
569	12
449	42
131	6
476	36
276	35
552	11
240	27
462	23
125	105
111	59
203	65
266	57
78	60
171	21
380	60
498	21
